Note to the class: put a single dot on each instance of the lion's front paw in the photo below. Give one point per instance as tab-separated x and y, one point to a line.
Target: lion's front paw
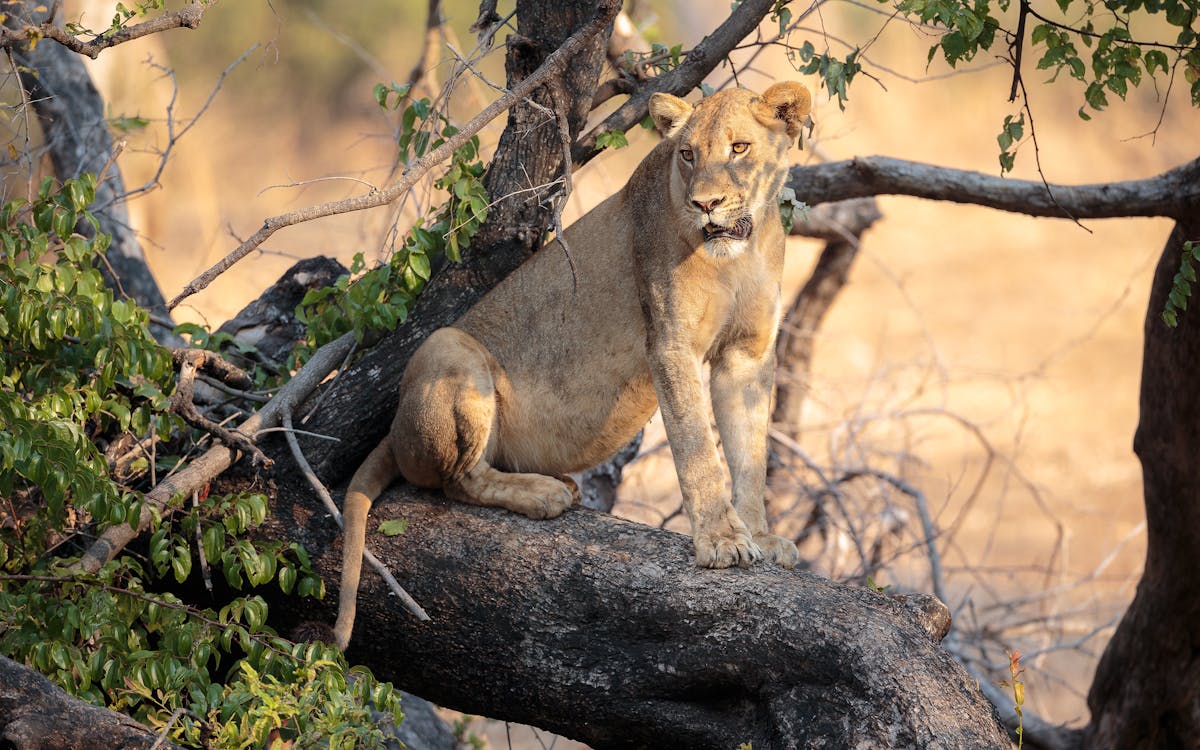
551	499
778	550
726	548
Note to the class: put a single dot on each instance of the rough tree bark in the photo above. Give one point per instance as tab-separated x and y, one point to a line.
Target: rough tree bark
36	714
1146	692
606	631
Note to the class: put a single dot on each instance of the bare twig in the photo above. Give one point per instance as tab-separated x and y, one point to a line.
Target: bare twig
564	135
376	564
191	361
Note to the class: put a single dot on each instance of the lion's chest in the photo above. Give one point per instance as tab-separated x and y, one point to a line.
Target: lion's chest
712	306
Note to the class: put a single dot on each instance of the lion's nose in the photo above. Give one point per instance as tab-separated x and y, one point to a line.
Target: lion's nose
708	205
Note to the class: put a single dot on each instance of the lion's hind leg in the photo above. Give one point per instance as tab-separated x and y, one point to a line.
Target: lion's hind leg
445	430
532	495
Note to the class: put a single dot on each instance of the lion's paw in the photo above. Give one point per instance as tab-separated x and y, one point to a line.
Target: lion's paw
551	501
726	548
778	550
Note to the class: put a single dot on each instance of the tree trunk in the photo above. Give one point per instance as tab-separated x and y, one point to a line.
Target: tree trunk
36	714
1146	693
71	114
529	154
607	632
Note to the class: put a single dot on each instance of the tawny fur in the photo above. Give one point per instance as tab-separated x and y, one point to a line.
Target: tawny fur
564	361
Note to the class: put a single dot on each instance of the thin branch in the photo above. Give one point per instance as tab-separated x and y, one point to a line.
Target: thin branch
559	98
1017	47
173	138
552	65
186	17
409	603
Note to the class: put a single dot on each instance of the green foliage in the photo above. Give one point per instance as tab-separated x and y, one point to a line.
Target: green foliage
611	139
77	366
394	527
74	364
380	298
836	74
1112	60
1010	136
113	640
122	17
1181	285
782	14
871	584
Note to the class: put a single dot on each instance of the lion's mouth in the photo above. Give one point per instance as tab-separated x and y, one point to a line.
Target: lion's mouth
739	230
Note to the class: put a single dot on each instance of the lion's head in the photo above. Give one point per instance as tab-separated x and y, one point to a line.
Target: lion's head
730	158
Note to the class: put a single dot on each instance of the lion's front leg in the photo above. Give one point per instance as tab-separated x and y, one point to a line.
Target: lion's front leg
720	537
741	395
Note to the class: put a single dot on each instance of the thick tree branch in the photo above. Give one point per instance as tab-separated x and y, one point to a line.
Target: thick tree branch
607	632
36	714
1174	193
1146	692
700	61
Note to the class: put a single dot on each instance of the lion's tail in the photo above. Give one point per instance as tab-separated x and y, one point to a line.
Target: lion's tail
376	473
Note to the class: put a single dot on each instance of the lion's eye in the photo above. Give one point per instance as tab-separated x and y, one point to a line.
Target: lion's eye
686	154
740	147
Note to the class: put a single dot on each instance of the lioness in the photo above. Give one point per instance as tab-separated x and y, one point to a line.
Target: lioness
565	360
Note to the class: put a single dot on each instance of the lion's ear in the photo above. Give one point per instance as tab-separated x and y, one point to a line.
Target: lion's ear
786	104
669	113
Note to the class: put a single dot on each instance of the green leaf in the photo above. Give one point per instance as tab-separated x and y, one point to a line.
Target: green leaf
393	527
611	139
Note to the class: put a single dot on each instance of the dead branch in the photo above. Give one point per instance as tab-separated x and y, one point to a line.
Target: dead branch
193	361
1173	193
555	63
842	225
375	564
216	460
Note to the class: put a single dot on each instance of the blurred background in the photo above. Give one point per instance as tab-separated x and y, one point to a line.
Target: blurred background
989	360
